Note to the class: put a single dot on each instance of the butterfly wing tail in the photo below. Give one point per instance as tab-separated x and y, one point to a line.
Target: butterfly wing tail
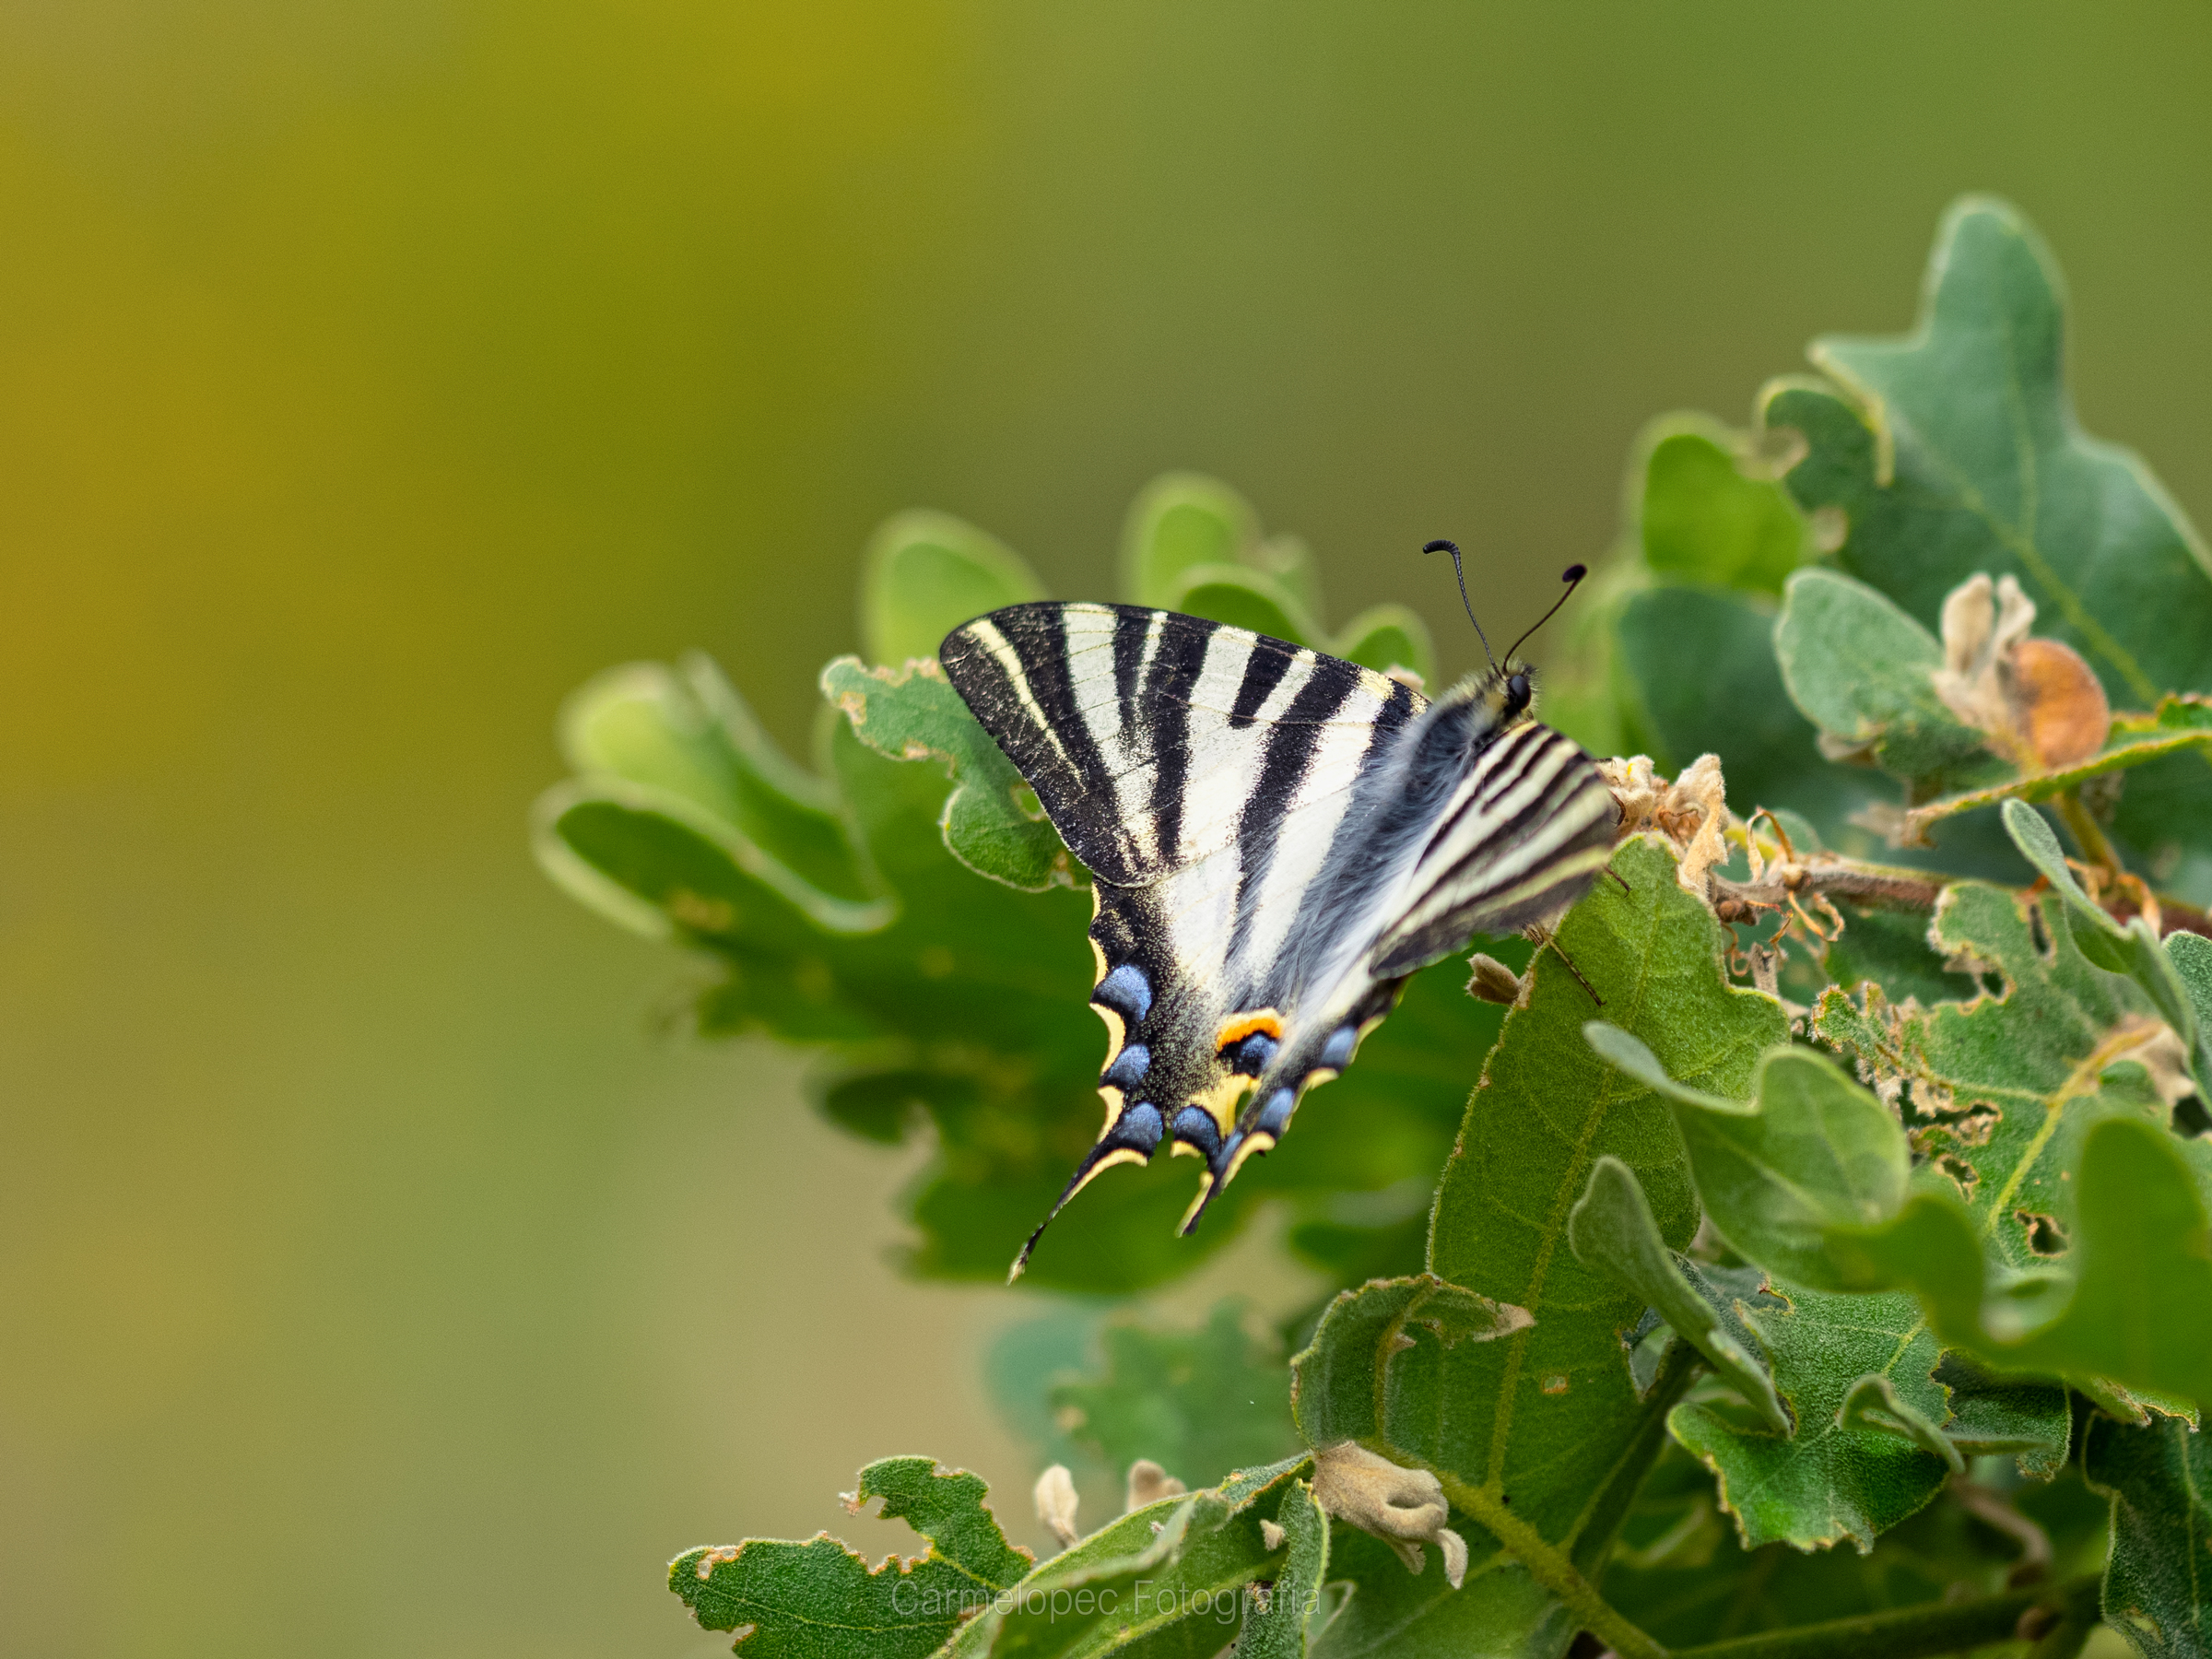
1132	1137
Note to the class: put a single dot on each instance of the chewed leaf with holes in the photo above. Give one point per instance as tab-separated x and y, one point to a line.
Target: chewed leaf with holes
1844	1474
1997	1092
818	1599
1532	1420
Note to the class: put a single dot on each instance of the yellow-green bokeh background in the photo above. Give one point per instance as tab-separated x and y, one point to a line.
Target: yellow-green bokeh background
377	1275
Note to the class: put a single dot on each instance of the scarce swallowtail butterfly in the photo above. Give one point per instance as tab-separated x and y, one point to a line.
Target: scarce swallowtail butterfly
1277	839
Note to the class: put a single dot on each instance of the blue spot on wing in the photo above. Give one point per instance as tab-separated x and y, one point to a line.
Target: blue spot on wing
1126	991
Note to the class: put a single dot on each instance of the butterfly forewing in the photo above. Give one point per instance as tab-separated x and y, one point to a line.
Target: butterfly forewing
1278	838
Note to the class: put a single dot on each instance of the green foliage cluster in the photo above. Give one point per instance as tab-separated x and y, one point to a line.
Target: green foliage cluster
1840	1282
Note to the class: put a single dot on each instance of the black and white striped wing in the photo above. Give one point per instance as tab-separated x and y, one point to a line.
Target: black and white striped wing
1278	838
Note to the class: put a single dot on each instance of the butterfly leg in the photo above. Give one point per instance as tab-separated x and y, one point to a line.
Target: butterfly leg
1543	937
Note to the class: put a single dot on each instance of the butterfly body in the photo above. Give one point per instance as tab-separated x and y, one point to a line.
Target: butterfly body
1277	838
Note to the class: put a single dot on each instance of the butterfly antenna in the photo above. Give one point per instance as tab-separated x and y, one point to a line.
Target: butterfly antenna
1440	546
1572	576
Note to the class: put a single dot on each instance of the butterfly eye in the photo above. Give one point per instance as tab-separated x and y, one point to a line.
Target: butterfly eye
1516	693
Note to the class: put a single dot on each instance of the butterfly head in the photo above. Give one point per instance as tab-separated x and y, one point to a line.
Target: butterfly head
1519	694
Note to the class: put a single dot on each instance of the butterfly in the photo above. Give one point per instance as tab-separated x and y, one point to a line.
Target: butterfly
1277	838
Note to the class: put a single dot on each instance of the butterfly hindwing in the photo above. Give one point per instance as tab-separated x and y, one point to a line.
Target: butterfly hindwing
1278	838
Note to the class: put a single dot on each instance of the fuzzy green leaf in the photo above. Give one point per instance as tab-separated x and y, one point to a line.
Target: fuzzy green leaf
1278	1628
1874	1402
1387	1613
1702	518
1858	666
1998	1415
925	574
818	1600
2008	1097
2191	955
2158	1589
1170	1580
2124	1321
1538	1430
1955	449
1812	1153
1962	455
1999	1091
1836	1478
1611	1229
1682	1576
991	821
2132	948
688	733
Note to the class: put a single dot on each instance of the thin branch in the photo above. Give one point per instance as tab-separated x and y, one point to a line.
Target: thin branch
1918	1632
1549	1565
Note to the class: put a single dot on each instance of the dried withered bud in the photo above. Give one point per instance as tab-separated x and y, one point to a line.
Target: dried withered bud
1148	1483
1057	1503
1405	1508
2035	700
1492	980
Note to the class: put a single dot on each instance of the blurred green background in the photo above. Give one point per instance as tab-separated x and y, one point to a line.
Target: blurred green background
370	374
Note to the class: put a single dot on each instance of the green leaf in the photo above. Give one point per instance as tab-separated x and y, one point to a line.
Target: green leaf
1197	1403
991	821
2123	1322
691	735
2191	955
1874	1401
1682	1576
925	574
1999	1091
2157	1590
1180	521
1702	519
819	1600
1836	1478
1998	1415
1958	451
1815	1152
1891	947
2037	1109
2132	948
1858	666
1388	636
662	866
1537	1430
1499	1612
1168	1581
1611	1231
1244	598
1278	1629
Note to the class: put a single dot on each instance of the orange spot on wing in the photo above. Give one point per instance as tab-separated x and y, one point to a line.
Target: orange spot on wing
1240	1026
